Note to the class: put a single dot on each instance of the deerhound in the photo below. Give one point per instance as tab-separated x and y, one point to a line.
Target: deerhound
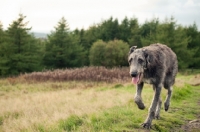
157	65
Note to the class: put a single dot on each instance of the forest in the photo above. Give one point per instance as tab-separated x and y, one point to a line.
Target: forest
103	44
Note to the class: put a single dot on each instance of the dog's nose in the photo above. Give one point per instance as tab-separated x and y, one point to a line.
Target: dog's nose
134	74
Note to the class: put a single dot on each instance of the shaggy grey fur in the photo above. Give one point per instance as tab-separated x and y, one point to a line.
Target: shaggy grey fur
157	65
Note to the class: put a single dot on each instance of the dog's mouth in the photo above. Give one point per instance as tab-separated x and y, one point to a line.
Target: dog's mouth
137	79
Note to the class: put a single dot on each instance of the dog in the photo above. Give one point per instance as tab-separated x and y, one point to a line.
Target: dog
155	64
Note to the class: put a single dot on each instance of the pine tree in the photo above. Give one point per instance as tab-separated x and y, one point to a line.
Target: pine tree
174	36
20	51
194	44
171	34
148	32
61	50
109	30
3	50
1	33
125	30
135	33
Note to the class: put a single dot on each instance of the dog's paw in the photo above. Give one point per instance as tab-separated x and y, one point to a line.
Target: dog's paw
157	117
139	103
166	105
141	106
146	125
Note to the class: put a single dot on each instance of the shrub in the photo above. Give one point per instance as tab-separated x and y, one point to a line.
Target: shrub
111	54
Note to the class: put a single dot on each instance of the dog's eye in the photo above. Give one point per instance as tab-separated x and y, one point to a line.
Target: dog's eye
140	60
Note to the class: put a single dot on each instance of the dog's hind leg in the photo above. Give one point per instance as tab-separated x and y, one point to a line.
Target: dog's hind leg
158	108
157	114
167	101
138	97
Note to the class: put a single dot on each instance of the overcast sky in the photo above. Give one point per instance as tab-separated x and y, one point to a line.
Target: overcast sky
43	15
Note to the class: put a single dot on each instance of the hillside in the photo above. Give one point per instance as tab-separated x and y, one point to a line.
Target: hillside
50	101
40	35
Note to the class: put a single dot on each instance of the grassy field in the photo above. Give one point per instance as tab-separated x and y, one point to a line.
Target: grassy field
91	106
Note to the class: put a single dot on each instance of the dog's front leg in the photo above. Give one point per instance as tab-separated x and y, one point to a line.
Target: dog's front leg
138	97
152	109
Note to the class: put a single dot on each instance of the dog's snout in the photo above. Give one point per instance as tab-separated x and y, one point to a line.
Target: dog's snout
134	74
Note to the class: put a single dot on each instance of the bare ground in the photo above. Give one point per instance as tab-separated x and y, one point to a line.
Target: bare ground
192	126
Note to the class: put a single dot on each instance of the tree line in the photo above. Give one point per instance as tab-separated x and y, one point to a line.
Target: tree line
104	44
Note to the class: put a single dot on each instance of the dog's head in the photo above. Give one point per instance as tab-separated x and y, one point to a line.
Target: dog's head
138	60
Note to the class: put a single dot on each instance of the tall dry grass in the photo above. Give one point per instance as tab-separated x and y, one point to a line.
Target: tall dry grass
80	74
26	111
25	104
62	93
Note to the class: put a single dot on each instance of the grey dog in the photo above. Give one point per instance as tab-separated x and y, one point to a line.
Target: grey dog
155	64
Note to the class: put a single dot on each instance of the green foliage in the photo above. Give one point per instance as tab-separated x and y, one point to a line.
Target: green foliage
62	50
129	117
171	34
110	54
71	123
125	30
3	49
135	36
194	44
41	128
1	120
123	117
19	51
177	40
149	32
181	93
2	34
115	119
97	52
109	29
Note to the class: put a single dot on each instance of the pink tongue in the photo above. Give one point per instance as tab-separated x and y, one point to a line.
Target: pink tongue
135	80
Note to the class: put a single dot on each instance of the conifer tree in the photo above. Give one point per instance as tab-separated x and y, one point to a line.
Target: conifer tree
1	33
3	50
109	30
135	33
194	44
61	50
20	51
174	36
148	32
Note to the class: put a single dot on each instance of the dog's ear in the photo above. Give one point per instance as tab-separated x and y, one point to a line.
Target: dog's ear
148	57
132	49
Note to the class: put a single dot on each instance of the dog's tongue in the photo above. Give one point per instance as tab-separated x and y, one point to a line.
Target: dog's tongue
135	80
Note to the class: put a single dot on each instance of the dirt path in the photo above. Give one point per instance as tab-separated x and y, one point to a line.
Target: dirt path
192	126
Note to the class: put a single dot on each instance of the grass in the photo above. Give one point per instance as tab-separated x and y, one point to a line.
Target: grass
71	123
129	118
28	110
90	106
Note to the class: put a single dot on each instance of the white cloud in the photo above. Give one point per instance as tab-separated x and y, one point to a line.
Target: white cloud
189	3
44	14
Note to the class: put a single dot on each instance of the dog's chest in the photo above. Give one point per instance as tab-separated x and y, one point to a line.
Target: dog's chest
148	80
148	77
